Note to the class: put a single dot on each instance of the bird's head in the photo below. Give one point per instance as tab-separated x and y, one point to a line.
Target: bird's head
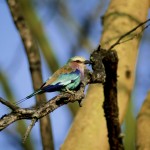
79	60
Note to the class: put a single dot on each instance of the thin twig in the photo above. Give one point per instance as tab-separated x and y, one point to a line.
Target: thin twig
135	35
33	121
7	103
127	33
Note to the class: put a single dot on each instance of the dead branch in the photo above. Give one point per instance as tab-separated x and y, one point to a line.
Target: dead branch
111	102
40	111
105	65
128	33
43	109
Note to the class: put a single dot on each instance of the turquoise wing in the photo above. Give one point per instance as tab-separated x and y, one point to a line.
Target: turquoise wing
66	80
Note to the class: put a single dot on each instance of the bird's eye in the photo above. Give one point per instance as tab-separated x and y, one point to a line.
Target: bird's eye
78	61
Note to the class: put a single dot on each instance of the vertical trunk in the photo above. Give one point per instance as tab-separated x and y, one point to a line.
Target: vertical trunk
143	123
89	127
33	56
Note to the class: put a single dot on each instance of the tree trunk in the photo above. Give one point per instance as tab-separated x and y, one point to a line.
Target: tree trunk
32	52
143	123
89	127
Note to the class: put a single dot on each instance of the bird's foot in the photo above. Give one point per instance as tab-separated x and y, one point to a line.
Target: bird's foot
70	92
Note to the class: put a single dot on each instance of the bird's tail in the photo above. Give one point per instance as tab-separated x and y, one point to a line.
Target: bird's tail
29	96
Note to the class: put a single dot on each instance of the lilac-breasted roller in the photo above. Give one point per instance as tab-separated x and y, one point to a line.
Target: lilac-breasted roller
64	79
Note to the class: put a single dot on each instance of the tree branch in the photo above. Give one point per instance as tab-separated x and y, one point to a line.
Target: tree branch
128	33
105	64
111	103
32	52
33	121
45	108
40	111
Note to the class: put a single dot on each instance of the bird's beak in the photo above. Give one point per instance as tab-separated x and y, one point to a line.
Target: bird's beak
87	62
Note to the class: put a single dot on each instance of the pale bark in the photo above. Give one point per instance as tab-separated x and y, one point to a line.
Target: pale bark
88	130
143	123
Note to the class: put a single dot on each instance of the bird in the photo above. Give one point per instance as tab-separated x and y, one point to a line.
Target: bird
65	79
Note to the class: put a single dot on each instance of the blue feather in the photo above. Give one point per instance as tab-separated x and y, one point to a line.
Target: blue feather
67	80
67	77
52	88
29	96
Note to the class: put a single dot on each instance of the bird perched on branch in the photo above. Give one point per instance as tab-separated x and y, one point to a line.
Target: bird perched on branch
66	78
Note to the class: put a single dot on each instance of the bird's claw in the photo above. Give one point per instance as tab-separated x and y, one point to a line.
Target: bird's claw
70	92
